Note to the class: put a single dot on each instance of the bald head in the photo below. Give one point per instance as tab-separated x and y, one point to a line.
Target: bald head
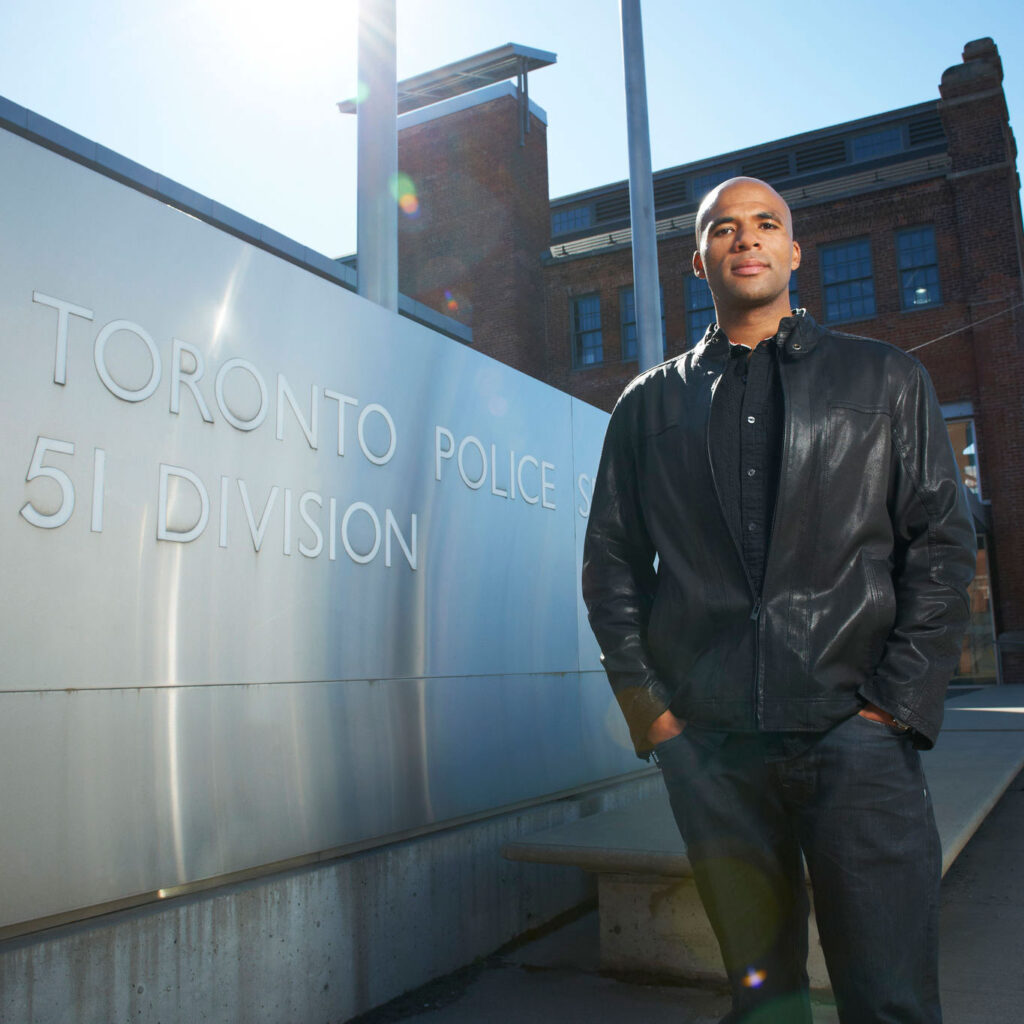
774	203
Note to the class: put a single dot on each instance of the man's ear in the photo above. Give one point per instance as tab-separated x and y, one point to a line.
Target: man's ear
698	264
796	256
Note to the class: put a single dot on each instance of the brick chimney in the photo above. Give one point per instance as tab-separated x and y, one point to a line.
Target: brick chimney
471	248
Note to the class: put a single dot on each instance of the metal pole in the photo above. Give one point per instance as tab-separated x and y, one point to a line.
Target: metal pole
646	290
377	135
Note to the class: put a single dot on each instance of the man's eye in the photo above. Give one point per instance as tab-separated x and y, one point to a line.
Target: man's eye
770	224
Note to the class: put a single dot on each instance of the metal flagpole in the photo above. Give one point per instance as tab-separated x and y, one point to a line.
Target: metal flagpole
646	290
377	140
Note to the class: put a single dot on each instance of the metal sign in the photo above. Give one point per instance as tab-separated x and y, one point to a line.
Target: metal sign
283	570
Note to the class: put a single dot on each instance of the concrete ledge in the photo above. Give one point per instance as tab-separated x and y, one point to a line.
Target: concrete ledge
651	917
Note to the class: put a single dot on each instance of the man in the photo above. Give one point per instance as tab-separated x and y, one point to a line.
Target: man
789	652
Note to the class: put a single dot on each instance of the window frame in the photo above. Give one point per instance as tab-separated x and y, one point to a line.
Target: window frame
917	268
966	418
634	356
835	247
574	218
691	311
578	333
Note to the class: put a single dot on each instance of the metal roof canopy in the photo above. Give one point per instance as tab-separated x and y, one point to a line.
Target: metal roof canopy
462	76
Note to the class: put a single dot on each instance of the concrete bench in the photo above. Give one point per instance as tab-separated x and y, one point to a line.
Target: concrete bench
651	919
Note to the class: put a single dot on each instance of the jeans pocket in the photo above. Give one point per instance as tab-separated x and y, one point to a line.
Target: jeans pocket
882	726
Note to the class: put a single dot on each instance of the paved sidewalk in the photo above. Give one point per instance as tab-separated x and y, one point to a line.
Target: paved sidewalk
556	978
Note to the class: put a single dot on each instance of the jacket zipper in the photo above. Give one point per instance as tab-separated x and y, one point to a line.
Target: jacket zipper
783	458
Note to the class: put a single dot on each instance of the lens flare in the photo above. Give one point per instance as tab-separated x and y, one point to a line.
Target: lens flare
754	978
403	188
451	304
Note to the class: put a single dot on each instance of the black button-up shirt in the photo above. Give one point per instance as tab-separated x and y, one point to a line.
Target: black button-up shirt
746	440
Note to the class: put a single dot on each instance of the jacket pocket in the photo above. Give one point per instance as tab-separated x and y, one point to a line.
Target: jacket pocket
854	618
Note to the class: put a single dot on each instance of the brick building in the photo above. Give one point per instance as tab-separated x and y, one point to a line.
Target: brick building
910	226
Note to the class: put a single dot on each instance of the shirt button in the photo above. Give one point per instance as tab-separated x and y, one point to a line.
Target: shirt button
751	527
751	472
750	419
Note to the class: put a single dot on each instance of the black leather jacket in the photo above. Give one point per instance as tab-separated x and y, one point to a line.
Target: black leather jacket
871	551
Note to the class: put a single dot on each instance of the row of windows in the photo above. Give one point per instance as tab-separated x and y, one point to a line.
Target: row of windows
587	346
848	278
848	287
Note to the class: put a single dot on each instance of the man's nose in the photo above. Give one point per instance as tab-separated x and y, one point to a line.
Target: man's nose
745	239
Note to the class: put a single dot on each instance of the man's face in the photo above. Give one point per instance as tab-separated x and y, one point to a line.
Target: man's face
746	249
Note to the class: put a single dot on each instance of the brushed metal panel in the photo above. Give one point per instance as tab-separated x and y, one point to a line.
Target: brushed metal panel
113	793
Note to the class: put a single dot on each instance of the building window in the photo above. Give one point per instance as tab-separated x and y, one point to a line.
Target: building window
575	218
978	655
848	281
876	144
627	321
700	308
919	268
586	331
961	435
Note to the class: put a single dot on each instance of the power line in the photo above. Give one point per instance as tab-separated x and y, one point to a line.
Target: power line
974	323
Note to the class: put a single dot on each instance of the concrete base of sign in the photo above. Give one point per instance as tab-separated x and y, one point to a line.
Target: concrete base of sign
656	925
325	942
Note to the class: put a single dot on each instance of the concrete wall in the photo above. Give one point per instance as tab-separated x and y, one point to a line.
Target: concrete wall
323	943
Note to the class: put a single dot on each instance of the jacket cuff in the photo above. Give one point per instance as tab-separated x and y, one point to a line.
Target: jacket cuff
641	704
924	732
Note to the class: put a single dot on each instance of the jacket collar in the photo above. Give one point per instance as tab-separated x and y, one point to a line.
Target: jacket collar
797	335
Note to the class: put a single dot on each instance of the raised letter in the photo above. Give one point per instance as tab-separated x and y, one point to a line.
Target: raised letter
163	532
64	309
586	488
310	429
442	453
377	460
409	550
311	552
544	485
241	364
342	401
98	356
256	531
495	489
50	521
223	539
531	498
191	379
99	472
360	506
333	529
287	521
475	441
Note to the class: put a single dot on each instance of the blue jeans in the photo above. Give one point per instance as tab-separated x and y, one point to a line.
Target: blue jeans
854	802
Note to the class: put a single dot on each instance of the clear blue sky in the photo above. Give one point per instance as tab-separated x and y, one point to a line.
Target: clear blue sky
235	98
